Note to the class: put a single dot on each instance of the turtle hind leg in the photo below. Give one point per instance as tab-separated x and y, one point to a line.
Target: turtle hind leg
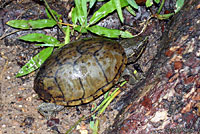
49	110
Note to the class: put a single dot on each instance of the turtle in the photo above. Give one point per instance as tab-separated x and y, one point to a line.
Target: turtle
83	70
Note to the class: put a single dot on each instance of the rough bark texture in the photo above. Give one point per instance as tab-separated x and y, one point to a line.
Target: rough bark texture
170	94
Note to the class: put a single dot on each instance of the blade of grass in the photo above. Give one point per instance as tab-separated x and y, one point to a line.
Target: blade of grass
108	102
71	128
109	97
161	6
96	127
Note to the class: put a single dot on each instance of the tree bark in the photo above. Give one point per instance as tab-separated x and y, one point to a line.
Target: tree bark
169	101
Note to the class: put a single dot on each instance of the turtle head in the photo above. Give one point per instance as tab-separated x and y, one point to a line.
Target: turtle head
134	47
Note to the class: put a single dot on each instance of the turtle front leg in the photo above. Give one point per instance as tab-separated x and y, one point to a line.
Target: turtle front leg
133	74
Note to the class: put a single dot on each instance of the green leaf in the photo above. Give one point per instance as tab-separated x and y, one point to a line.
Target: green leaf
67	35
164	16
161	6
149	3
54	12
84	8
74	16
39	37
130	10
126	34
179	5
80	29
49	45
35	62
48	14
157	1
92	2
81	11
107	8
133	3
119	10
32	24
111	33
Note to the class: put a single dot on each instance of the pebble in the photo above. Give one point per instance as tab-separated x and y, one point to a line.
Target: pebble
20	106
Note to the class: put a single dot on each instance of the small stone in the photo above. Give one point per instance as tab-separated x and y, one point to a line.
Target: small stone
20	106
28	121
53	122
8	77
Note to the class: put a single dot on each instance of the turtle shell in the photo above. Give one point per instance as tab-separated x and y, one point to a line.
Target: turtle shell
80	71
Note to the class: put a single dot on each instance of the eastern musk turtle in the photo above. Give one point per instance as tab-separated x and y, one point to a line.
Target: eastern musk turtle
81	71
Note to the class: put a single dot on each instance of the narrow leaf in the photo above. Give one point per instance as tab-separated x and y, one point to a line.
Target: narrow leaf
107	8
39	37
35	62
119	10
92	2
32	24
49	45
74	15
179	5
157	1
149	3
84	9
164	16
130	10
54	12
80	11
80	29
67	36
111	33
133	3
126	34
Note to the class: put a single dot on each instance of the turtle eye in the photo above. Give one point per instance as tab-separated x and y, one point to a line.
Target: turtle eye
137	68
